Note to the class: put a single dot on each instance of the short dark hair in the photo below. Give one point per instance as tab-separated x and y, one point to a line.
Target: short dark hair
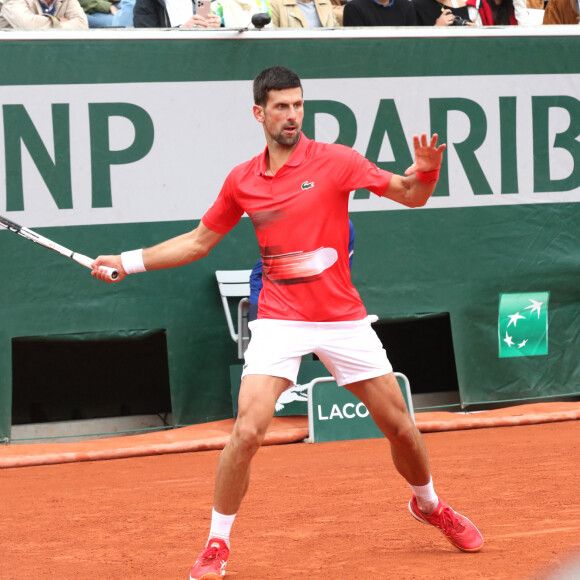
275	78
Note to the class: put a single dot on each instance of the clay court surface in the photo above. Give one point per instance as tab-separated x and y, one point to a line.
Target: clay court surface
323	511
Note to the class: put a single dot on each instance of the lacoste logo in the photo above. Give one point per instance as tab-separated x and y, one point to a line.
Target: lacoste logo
307	185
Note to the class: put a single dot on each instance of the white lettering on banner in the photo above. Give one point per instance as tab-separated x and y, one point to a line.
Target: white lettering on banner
335	412
510	141
346	412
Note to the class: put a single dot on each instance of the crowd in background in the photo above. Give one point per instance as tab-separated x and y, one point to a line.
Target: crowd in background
84	14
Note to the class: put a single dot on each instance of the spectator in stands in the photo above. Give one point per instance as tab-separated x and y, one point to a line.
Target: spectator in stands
171	14
465	13
238	13
494	12
562	12
529	12
303	13
443	13
106	14
379	13
338	8
36	15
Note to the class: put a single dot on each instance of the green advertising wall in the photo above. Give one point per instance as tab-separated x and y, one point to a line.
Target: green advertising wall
505	219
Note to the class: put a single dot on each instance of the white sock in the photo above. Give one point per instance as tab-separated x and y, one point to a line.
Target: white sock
427	499
221	526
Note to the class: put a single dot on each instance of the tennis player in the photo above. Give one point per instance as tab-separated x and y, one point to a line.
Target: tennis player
296	193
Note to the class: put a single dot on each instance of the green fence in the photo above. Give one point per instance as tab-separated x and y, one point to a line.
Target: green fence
119	140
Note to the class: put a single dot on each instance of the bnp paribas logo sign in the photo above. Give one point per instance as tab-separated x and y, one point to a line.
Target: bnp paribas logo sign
523	324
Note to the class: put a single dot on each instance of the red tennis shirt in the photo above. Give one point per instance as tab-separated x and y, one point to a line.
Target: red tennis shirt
301	221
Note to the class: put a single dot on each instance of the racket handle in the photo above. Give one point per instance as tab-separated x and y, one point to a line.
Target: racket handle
113	272
88	263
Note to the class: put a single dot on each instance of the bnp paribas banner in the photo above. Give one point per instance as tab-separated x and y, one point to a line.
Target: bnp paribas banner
110	153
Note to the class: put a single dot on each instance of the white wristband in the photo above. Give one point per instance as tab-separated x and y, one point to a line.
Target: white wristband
133	261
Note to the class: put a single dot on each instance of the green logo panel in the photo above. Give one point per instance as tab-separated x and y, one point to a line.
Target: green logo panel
523	324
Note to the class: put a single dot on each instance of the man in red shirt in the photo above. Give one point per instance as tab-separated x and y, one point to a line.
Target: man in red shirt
296	194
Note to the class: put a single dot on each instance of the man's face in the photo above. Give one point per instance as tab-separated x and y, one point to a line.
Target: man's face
282	116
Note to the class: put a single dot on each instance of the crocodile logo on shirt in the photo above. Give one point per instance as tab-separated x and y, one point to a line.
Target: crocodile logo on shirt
307	185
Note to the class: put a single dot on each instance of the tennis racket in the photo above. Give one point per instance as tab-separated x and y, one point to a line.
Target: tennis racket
42	241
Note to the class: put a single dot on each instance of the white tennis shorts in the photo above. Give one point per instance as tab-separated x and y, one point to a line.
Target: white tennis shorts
351	351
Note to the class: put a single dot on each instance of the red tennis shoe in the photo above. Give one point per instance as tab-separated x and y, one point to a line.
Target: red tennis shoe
211	563
455	527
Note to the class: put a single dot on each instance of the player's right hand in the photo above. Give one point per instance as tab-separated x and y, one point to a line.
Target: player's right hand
112	262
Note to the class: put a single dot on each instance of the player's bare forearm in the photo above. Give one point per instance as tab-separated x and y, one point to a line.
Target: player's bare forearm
420	179
409	191
181	250
172	253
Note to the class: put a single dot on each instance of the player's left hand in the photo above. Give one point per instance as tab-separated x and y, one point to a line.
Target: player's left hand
428	156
